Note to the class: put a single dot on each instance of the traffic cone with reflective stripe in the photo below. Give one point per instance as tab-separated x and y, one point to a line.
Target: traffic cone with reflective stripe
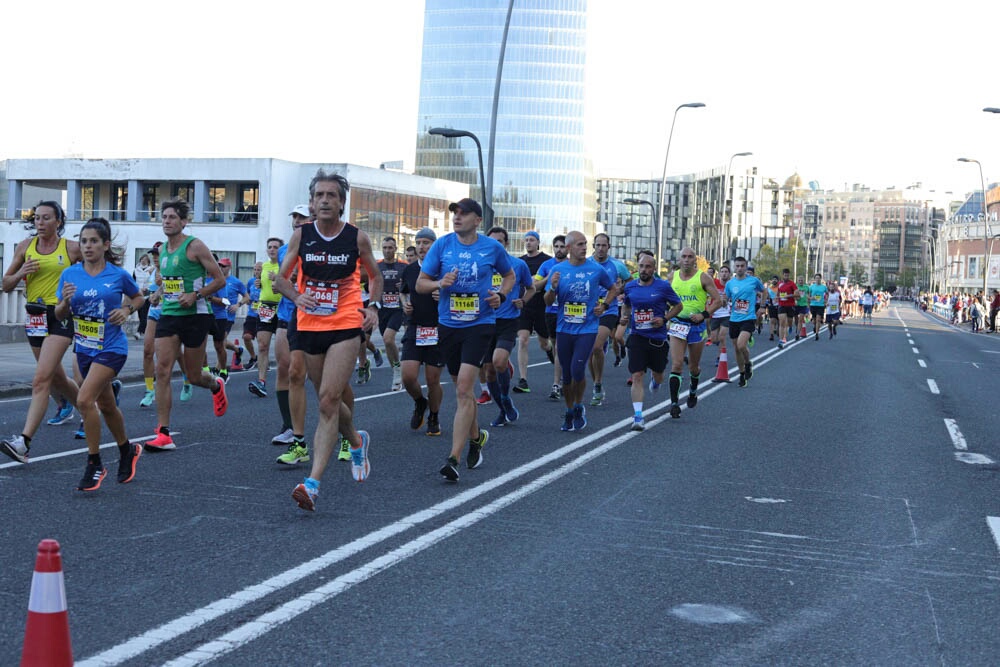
46	636
237	364
802	331
722	375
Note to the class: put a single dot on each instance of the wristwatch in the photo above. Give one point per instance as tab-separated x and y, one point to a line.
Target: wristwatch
378	306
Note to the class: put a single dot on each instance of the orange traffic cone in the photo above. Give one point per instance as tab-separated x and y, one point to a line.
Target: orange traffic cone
802	332
46	636
722	375
236	365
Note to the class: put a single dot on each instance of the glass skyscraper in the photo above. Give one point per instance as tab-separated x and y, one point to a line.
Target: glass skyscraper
542	179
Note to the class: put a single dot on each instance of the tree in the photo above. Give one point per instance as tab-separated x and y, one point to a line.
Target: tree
880	282
786	259
765	263
858	275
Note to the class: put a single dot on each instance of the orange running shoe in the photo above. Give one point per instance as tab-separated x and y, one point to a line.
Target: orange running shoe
162	442
219	401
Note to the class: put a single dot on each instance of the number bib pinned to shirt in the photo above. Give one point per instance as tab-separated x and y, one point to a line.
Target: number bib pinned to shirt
679	329
427	336
390	300
266	311
89	332
173	287
574	312
464	307
326	294
643	318
36	325
741	306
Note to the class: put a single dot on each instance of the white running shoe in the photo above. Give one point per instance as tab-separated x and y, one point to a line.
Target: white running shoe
283	438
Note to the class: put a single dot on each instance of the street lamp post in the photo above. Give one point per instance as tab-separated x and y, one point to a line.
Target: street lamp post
663	182
454	134
986	222
722	202
632	201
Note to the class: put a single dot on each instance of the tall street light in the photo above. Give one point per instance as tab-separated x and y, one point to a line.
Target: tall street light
663	182
632	201
722	201
986	223
454	134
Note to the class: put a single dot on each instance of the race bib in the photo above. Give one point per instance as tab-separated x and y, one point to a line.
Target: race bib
741	306
679	329
89	332
172	288
427	336
326	294
497	280
390	300
266	311
574	312
833	309
464	307
37	325
643	318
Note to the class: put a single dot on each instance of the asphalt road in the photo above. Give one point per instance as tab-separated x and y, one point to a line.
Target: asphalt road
825	514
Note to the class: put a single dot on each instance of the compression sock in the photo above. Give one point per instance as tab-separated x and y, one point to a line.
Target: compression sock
675	386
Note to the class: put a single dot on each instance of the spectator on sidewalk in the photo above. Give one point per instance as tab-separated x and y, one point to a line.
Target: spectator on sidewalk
145	277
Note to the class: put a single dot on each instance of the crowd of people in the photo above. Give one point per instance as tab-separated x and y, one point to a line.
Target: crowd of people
962	308
461	301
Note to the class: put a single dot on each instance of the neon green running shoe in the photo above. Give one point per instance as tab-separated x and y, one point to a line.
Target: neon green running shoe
345	450
297	453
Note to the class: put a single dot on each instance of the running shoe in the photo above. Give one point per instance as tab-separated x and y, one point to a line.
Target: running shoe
817	335
522	387
484	398
15	448
567	421
379	361
654	386
116	388
507	407
450	469
360	465
64	415
751	341
297	453
618	361
579	418
433	426
258	388
148	399
743	381
284	438
638	424
306	497
475	456
598	396
365	372
162	442
224	375
128	463
93	475
80	433
781	343
675	411
397	378
187	391
250	365
219	401
417	419
628	382
556	393
749	370
239	357
345	450
501	420
771	338
552	357
692	399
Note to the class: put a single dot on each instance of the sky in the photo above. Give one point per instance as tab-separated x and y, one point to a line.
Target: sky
881	93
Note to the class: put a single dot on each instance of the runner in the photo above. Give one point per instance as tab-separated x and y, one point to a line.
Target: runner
532	317
420	342
251	323
225	303
833	309
609	319
39	261
390	315
687	331
329	319
577	285
719	324
91	293
772	308
650	302
867	300
746	295
149	336
788	292
411	254
497	364
185	319
801	309
551	311
461	265
817	294
267	314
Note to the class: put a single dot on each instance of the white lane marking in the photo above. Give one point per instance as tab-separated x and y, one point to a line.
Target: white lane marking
915	351
994	523
956	435
765	501
74	452
172	629
990	351
910	341
933	385
922	363
973	459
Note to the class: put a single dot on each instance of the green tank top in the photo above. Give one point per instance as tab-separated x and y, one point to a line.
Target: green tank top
180	275
693	295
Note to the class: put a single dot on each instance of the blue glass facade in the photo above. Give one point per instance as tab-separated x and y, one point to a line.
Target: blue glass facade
542	179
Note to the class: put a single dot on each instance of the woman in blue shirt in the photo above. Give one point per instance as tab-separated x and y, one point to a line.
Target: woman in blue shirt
91	293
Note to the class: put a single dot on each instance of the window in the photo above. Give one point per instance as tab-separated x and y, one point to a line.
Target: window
88	201
973	268
148	209
183	191
119	201
242	263
216	202
247	211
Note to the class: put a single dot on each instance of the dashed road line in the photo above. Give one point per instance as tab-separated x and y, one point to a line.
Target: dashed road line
915	351
922	363
930	383
994	523
957	438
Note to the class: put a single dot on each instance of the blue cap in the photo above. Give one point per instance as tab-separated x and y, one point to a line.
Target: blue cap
533	233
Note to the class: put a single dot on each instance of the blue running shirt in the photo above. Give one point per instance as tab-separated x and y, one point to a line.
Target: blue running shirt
522	281
543	272
95	298
742	295
577	295
616	270
647	302
817	295
464	303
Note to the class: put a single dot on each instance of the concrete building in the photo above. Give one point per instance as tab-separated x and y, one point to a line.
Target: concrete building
237	204
966	245
632	227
